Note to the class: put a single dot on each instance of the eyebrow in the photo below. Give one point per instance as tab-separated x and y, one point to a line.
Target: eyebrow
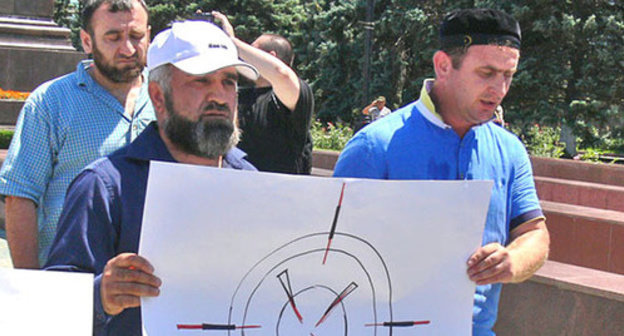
492	68
132	30
113	31
233	76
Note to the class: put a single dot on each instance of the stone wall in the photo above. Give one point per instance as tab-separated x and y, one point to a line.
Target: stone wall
30	8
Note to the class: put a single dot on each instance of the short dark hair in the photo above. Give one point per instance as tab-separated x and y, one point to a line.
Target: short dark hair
278	44
456	54
90	6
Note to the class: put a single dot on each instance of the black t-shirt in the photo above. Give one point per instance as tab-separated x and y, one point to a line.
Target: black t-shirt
275	138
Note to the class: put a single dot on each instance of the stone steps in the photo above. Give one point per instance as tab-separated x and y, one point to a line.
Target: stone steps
607	174
562	299
584	206
587	194
586	236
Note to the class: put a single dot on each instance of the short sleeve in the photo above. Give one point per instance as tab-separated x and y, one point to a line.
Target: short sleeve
30	159
302	115
525	204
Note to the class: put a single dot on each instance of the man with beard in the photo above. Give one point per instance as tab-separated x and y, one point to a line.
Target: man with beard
194	69
448	134
70	121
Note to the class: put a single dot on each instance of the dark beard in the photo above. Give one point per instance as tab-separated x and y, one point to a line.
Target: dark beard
116	75
207	137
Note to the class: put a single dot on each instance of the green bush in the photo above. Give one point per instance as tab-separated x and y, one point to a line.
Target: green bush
330	136
542	141
5	138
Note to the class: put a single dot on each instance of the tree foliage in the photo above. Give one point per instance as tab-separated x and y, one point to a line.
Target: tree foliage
570	72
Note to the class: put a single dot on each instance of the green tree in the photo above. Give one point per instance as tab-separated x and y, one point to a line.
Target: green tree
570	72
67	14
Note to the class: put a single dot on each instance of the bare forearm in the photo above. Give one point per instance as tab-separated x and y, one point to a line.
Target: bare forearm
515	262
282	78
22	232
529	251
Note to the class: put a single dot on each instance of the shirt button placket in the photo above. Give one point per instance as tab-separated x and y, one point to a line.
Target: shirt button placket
461	159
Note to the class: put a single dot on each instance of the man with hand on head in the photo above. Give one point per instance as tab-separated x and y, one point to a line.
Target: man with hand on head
275	115
377	109
70	121
448	134
194	68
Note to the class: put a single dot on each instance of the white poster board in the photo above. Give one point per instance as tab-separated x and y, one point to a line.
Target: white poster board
236	248
45	303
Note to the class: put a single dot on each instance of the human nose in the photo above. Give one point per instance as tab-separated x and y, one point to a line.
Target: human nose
217	93
500	86
127	48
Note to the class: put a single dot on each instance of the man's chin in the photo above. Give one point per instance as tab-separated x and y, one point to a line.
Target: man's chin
128	75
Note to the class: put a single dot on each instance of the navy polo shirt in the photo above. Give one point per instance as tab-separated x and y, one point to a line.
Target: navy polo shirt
102	218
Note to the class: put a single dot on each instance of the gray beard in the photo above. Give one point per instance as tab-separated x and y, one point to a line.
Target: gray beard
207	137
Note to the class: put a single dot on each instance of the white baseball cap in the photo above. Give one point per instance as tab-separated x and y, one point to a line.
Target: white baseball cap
197	48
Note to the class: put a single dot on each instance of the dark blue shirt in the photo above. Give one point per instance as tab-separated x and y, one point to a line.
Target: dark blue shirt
102	218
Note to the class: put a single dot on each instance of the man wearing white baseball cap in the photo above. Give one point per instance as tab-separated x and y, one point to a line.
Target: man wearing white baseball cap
194	69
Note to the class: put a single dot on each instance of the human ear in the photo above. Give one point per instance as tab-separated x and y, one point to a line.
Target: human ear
442	64
86	40
157	96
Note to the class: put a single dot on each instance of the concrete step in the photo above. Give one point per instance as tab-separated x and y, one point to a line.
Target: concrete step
586	194
586	236
609	174
324	159
322	172
562	299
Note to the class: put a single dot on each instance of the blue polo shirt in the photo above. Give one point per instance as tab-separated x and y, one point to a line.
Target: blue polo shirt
413	143
102	218
65	124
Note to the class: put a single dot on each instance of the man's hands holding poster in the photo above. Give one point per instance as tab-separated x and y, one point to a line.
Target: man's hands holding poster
126	278
515	262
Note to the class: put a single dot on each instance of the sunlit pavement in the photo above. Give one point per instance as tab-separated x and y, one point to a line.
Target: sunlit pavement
5	259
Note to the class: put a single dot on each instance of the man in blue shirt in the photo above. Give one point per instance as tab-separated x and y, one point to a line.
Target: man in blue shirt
448	135
70	121
194	68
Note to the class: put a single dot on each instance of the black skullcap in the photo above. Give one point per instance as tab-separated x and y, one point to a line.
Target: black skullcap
466	27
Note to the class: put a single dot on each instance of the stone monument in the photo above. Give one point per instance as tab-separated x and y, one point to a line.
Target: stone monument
33	49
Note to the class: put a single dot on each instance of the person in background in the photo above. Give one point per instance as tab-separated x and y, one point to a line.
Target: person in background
276	114
377	109
70	121
448	134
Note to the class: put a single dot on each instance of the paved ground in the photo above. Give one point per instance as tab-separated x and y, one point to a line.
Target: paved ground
5	259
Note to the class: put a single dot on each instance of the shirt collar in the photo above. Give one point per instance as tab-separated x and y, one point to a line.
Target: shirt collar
426	106
428	110
83	77
85	80
235	158
149	146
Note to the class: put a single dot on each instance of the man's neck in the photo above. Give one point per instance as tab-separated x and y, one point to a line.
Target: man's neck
125	93
446	110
